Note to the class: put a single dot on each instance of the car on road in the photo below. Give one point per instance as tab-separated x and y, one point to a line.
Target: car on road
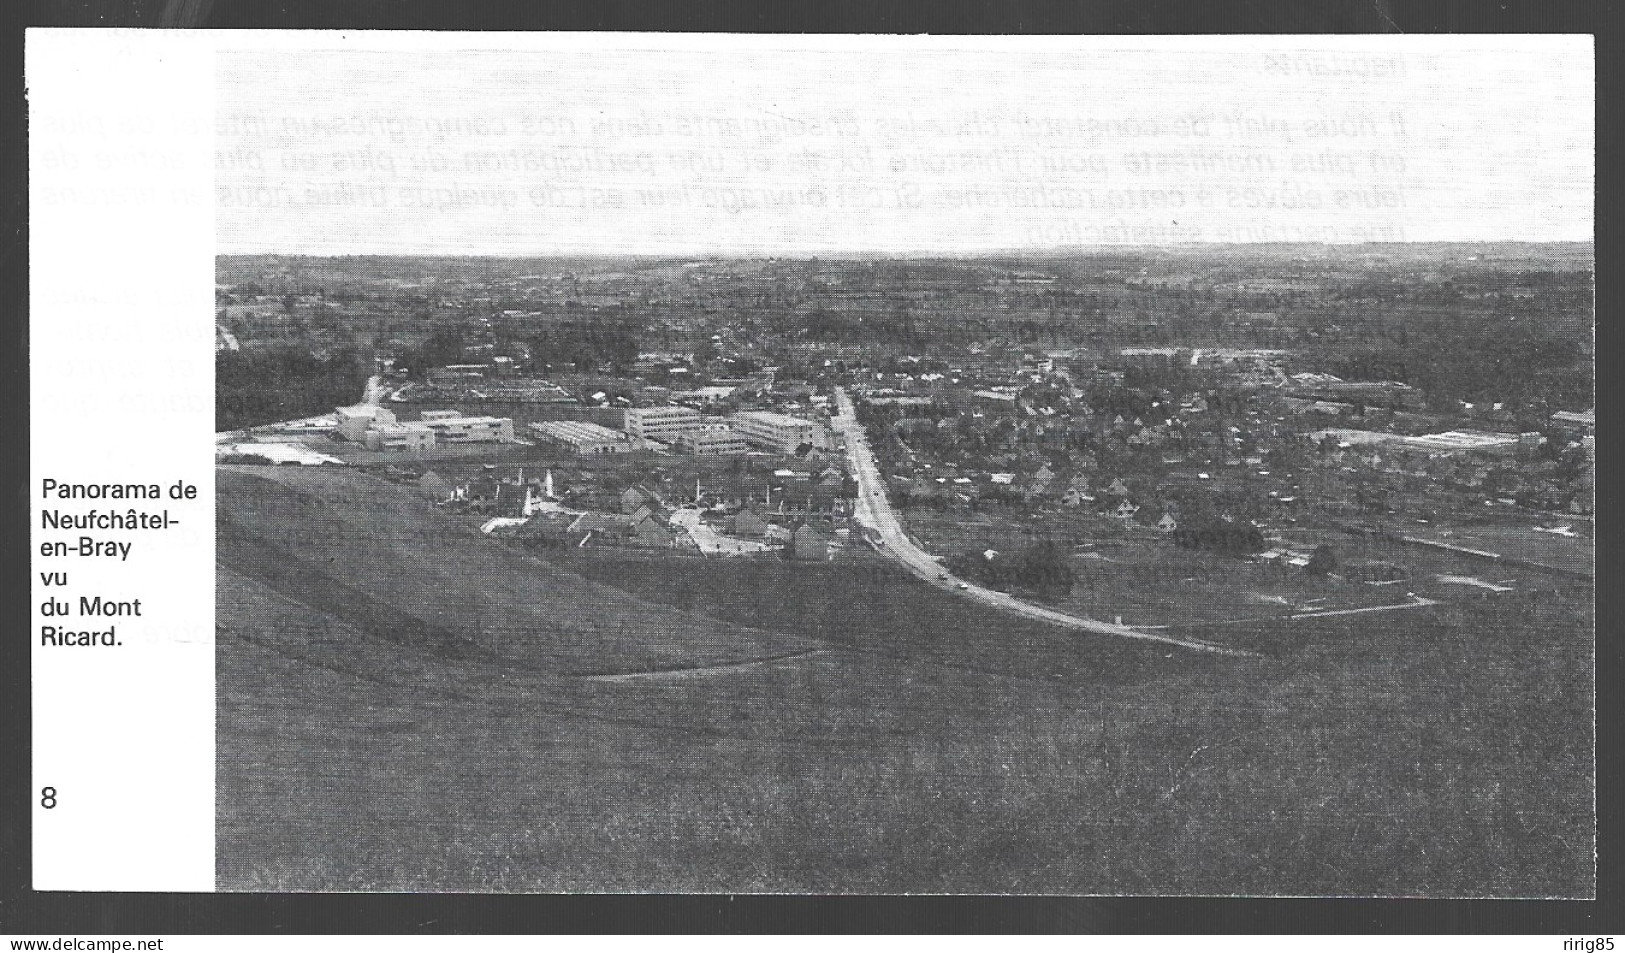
964	585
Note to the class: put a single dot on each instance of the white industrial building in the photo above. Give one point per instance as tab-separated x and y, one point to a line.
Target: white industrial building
584	437
710	439
377	428
407	436
469	429
662	423
354	422
771	431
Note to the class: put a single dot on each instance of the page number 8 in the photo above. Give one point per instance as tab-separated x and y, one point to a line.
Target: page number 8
47	798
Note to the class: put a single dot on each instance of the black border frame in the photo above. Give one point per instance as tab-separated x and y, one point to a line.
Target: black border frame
25	911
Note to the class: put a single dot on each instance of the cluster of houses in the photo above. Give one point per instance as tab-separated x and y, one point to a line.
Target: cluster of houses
645	521
644	528
794	515
1042	487
1459	469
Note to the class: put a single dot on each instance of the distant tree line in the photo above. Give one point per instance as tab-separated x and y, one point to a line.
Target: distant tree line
589	344
263	386
1511	359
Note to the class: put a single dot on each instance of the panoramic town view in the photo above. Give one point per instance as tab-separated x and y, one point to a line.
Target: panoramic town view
1245	569
943	465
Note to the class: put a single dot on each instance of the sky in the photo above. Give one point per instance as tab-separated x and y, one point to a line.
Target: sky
672	144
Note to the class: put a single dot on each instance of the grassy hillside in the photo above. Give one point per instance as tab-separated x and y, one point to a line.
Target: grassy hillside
381	559
406	705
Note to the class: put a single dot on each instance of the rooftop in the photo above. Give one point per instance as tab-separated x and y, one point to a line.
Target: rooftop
773	419
576	430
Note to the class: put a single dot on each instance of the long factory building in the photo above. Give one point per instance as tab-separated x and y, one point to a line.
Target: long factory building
584	437
694	432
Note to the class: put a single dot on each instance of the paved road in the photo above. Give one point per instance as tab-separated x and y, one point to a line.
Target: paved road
711	542
874	511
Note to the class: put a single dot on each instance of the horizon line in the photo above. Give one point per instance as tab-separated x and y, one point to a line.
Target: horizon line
906	253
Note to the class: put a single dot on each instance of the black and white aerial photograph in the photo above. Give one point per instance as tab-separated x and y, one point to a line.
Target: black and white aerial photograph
1085	466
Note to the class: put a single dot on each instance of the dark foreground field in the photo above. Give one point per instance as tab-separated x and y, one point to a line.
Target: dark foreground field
405	705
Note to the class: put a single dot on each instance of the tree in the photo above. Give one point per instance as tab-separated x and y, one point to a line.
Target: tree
268	385
1322	561
444	346
1043	568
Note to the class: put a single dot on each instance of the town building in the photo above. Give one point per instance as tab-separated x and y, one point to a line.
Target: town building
457	372
773	431
648	531
585	438
703	396
458	429
748	522
661	423
1584	421
407	436
353	422
1036	365
434	485
634	497
710	440
517	499
808	544
377	428
605	529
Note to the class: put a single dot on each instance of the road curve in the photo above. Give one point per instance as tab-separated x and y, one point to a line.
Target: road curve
874	511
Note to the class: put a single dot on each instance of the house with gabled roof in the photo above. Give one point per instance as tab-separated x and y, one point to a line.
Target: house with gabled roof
595	527
517	499
635	496
1039	482
434	485
649	531
807	543
748	522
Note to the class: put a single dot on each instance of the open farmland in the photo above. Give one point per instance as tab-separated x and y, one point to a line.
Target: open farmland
404	704
1139	574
